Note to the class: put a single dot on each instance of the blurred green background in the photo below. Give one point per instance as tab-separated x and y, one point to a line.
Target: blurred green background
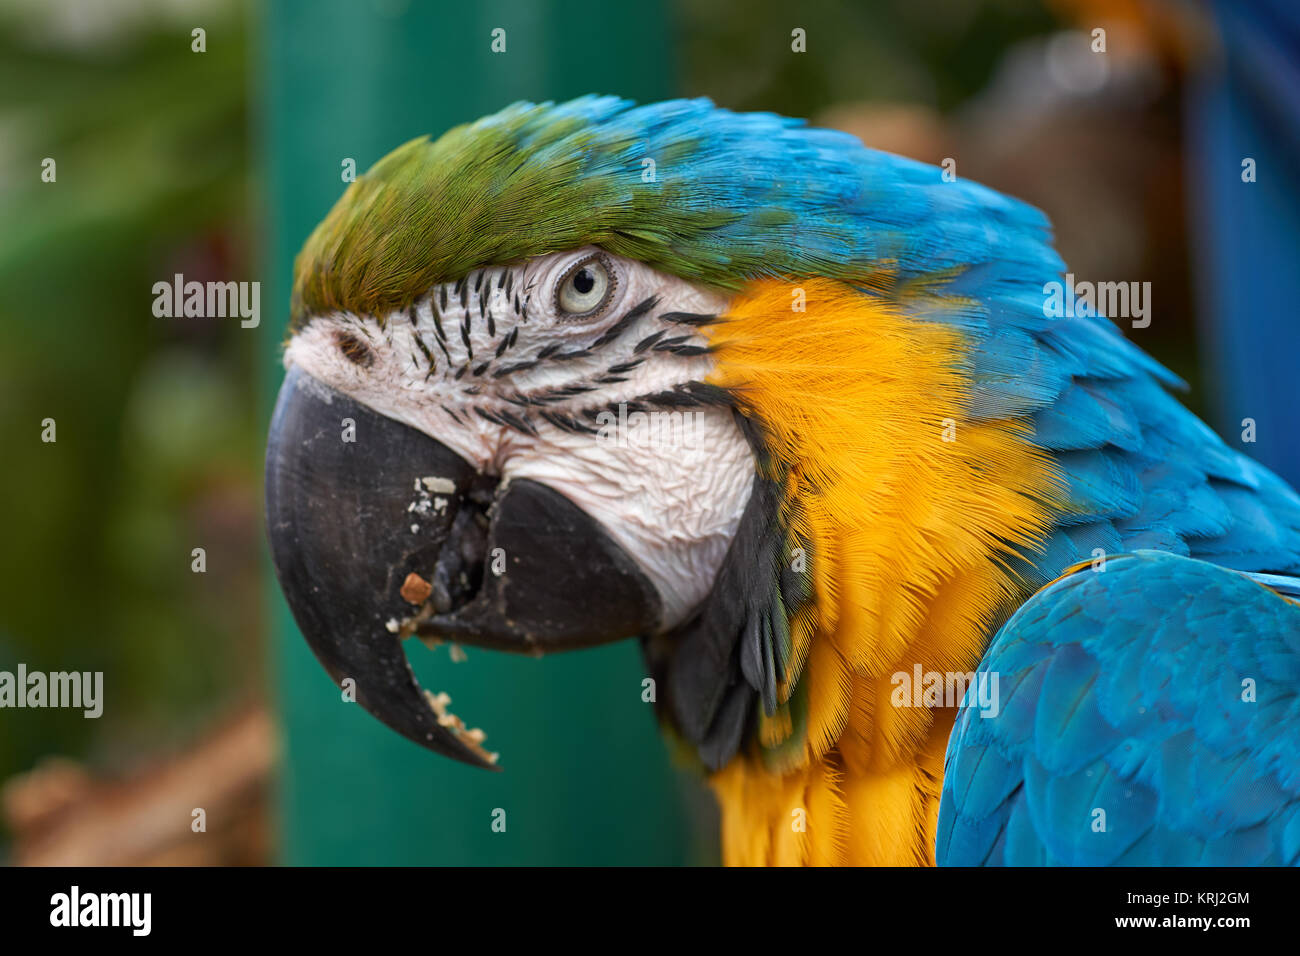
216	164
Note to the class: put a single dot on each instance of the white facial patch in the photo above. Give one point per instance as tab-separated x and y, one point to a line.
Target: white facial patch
594	404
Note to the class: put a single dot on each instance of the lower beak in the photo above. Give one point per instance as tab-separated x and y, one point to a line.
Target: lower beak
379	532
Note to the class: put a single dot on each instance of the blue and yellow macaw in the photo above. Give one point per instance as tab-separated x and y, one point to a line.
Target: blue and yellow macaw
923	570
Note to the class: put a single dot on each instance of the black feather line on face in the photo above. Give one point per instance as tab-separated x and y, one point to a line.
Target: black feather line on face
419	341
523	401
437	320
439	336
689	318
683	396
667	344
557	420
709	394
626	322
648	341
464	335
521	423
361	326
511	369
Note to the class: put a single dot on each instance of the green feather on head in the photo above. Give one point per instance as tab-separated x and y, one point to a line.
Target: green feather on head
730	197
527	181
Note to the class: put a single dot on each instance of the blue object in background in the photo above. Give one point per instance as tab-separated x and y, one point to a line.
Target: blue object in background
1244	102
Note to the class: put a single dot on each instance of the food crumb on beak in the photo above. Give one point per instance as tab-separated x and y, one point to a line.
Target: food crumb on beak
415	590
429	497
472	738
438	485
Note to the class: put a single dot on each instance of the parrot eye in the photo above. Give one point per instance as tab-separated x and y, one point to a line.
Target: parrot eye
585	288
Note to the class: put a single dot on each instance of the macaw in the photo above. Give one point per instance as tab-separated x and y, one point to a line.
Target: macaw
923	571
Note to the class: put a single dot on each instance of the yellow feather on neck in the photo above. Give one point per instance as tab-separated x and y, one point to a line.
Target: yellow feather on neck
913	509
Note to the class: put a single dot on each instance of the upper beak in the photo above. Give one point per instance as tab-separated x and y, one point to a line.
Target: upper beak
355	508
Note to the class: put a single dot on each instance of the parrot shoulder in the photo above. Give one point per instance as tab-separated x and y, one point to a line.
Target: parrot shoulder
1147	714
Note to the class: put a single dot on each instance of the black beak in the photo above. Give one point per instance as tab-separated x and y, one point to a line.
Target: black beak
355	509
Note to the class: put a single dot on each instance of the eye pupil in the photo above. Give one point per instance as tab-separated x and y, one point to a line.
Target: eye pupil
585	289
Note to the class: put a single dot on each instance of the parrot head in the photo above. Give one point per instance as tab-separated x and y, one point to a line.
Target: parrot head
554	380
473	325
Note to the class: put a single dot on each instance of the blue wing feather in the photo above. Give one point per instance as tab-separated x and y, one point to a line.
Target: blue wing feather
1150	715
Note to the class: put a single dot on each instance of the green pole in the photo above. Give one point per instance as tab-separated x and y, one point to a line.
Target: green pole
586	778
